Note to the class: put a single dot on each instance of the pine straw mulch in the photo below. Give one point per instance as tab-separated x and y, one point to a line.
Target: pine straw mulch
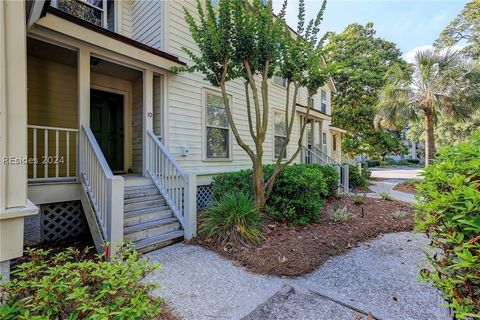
406	187
298	250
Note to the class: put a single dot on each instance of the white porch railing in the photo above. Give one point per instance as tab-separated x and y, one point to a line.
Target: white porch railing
105	190
53	153
177	187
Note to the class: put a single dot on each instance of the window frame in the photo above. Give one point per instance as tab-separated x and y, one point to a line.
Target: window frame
284	86
276	135
205	126
322	92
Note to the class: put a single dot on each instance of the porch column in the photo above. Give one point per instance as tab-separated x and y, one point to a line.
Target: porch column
147	114
320	132
315	133
14	205
83	103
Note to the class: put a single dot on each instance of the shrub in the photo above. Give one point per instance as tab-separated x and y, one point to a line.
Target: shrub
356	178
385	195
413	161
373	163
358	198
399	214
298	193
233	219
449	213
403	162
340	214
391	162
66	286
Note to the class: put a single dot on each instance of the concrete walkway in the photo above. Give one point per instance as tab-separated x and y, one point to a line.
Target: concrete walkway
379	276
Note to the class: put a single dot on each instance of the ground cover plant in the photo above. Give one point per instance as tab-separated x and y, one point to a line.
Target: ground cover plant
293	250
74	284
449	213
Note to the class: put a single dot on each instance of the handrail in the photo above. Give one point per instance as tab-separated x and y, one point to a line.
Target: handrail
326	158
176	186
104	189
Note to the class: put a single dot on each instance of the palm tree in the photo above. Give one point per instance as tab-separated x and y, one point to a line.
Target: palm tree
438	82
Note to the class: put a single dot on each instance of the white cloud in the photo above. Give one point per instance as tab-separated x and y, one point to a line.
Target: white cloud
410	55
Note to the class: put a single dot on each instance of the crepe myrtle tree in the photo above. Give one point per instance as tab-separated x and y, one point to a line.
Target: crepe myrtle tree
244	40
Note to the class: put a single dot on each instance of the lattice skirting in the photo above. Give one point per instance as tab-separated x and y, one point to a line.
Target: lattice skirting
204	196
62	220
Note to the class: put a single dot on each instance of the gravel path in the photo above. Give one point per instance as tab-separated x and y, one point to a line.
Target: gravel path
380	276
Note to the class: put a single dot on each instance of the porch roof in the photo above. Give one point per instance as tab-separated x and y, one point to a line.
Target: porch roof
75	27
313	112
337	129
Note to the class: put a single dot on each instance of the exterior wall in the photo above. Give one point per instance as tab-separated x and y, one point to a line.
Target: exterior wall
125	21
186	106
137	125
147	22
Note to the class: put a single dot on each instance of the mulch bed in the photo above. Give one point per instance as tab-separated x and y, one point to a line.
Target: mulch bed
298	250
362	190
408	188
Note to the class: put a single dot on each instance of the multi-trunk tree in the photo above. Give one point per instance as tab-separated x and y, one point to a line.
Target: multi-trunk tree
245	41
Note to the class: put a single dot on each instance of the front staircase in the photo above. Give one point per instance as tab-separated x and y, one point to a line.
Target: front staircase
149	223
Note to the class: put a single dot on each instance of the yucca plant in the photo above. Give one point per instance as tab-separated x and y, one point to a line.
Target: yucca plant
233	219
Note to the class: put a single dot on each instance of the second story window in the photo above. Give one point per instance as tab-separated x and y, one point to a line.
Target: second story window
279	81
324	101
97	12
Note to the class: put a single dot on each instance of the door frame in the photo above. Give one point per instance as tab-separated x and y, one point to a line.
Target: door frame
127	150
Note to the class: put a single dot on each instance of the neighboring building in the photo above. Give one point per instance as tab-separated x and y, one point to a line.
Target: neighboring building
110	133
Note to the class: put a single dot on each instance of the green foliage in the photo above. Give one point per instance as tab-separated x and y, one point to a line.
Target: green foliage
297	194
385	195
66	286
449	213
360	60
358	198
373	163
340	214
465	27
232	219
356	178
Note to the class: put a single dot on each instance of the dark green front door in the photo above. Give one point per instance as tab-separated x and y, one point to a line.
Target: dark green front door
106	121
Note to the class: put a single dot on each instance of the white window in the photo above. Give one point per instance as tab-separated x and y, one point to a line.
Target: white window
280	132
312	102
324	144
279	81
324	101
218	130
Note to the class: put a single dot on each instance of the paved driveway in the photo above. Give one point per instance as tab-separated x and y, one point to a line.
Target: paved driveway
396	173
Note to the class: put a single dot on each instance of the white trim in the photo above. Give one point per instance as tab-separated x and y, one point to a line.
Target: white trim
278	110
205	91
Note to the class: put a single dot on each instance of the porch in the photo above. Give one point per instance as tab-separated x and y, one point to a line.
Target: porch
96	122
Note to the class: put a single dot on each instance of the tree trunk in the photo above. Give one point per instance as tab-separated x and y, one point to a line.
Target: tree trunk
259	185
429	138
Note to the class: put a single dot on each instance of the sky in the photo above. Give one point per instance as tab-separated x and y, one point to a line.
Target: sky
411	24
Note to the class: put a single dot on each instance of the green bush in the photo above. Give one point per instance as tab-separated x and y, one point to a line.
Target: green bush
297	194
356	178
68	286
233	219
390	162
403	162
373	163
449	213
413	161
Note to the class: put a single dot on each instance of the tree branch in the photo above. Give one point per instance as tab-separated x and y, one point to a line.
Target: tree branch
249	112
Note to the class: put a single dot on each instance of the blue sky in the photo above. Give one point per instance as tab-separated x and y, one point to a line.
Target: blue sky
410	24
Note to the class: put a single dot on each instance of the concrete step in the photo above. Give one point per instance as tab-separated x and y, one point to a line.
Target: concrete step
141	191
160	241
134	217
150	229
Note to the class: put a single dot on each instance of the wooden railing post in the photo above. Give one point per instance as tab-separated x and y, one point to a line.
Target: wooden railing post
346	181
190	206
115	212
